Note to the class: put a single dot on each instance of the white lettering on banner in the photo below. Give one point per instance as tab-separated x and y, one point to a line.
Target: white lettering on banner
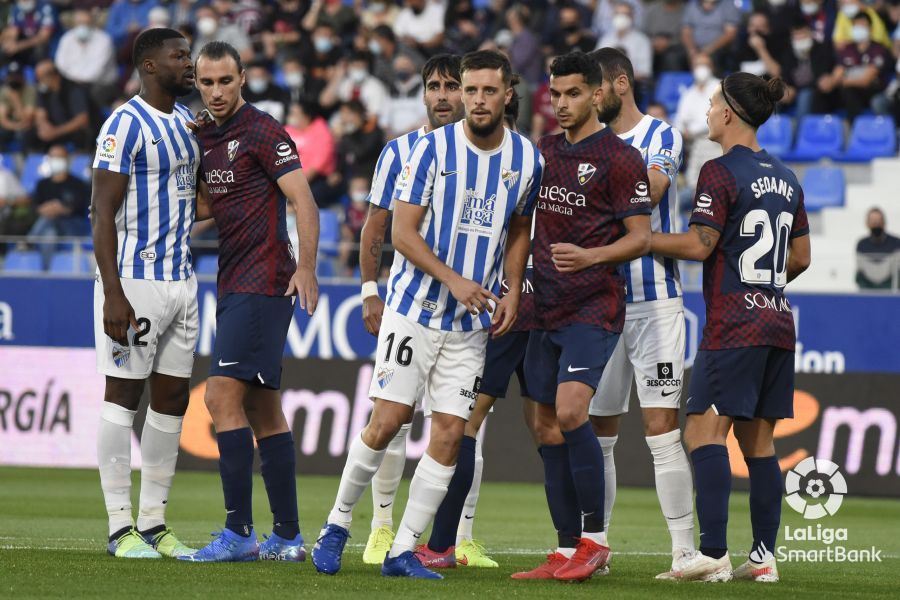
6	321
51	420
858	423
813	361
207	324
341	316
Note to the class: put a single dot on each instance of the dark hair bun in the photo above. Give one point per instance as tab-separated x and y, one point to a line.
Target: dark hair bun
775	89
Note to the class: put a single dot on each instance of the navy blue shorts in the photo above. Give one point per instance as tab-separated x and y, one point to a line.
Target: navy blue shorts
251	330
505	356
743	383
577	352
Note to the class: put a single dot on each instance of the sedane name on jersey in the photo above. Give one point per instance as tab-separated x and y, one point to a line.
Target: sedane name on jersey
772	185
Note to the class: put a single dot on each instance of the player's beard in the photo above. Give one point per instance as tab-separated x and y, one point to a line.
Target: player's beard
176	86
436	121
485	130
610	109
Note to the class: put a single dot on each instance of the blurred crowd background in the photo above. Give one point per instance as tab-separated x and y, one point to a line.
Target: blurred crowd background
343	76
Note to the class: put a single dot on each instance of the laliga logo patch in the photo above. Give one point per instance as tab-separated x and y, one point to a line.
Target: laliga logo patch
108	148
585	172
384	377
509	178
232	149
640	188
120	355
283	149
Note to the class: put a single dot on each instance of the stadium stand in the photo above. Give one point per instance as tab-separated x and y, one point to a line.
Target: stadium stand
872	136
819	136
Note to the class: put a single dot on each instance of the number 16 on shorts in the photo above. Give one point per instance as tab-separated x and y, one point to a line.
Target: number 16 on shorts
401	360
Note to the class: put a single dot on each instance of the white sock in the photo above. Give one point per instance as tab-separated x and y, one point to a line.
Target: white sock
426	492
387	480
159	453
674	487
567	552
609	477
362	462
114	458
467	519
598	537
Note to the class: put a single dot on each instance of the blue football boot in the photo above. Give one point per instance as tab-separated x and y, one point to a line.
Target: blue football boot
407	565
276	547
227	547
326	554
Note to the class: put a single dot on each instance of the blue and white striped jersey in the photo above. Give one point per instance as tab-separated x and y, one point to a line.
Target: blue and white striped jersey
161	157
654	277
471	195
390	162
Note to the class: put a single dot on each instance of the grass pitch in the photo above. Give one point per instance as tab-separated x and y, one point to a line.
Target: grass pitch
53	540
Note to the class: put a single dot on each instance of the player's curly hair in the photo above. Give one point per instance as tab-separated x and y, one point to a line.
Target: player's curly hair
511	112
149	41
752	98
577	63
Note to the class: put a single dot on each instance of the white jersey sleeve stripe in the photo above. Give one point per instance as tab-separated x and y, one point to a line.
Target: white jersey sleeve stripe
386	171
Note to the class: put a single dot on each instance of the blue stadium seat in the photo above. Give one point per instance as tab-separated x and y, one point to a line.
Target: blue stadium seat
325	268
8	160
776	135
823	187
872	136
329	232
65	262
80	166
819	136
669	87
31	172
23	261
207	264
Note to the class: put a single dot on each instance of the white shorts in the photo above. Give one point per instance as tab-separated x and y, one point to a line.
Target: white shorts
168	325
413	361
650	352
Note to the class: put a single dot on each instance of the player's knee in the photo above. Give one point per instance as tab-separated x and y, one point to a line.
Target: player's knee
124	392
381	429
756	448
570	417
660	422
605	426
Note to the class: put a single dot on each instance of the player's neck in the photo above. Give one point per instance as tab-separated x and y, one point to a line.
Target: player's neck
745	138
158	99
628	118
587	129
487	143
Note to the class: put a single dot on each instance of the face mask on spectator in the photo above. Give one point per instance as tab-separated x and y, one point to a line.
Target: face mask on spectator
621	22
257	86
877	232
42	87
809	8
82	32
323	45
57	165
359	196
860	34
377	8
357	75
896	68
802	46
777	2
207	26
374	47
350	127
850	10
16	84
27	5
702	73
293	79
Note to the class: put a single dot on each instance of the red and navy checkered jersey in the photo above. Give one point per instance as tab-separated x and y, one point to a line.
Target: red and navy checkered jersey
756	204
242	161
525	320
587	191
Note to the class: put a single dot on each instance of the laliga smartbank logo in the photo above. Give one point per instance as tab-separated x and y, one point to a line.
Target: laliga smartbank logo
815	488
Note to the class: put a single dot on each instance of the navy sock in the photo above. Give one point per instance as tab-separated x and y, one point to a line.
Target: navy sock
712	478
446	520
586	460
236	469
765	504
561	496
278	468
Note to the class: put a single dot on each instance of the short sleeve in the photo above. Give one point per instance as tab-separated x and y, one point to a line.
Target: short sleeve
666	152
714	195
274	149
415	184
119	142
525	206
800	226
629	188
386	171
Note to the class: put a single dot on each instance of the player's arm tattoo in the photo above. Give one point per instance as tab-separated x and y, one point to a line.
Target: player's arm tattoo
708	236
374	231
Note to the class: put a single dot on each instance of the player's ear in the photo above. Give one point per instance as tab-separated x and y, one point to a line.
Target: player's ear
509	95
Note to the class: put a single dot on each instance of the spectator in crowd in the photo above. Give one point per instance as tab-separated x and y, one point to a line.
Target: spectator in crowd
877	255
327	52
385	49
339	16
861	68
760	51
525	48
61	202
264	94
887	103
359	145
806	71
662	23
299	85
420	25
86	56
781	14
624	36
404	110
315	145
379	13
182	12
213	26
18	101
543	117
26	37
658	111
710	27
282	34
690	120
352	223
462	31
846	21
606	9
571	35
126	18
356	82
16	214
63	110
820	16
